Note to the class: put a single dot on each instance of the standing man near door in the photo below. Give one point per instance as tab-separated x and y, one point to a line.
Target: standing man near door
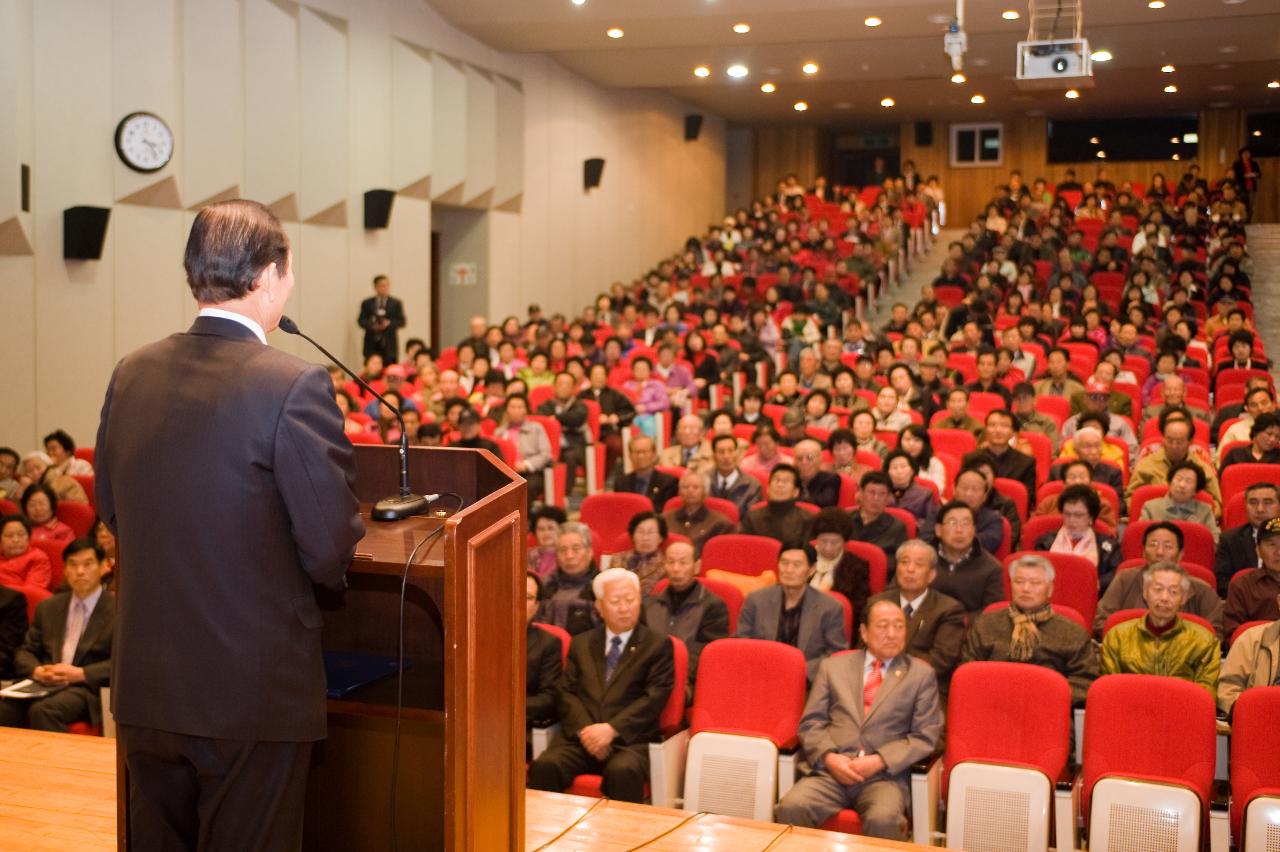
381	317
232	508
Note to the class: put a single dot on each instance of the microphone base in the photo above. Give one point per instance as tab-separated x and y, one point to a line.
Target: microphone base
398	508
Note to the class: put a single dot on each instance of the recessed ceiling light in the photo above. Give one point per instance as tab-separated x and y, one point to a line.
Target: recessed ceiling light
1228	49
1102	155
1174	139
740	29
1170	89
578	2
1093	140
939	18
768	88
809	68
702	71
1071	94
614	32
873	21
1102	55
737	71
1191	138
1167	69
886	102
800	106
1176	157
977	99
1010	14
1232	2
1257	133
1274	84
1155	4
958	78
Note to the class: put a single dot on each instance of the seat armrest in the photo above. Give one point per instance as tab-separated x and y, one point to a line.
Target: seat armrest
666	770
1066	810
1220	817
926	794
786	771
1077	720
541	738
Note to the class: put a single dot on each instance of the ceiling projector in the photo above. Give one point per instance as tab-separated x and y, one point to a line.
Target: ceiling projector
1054	64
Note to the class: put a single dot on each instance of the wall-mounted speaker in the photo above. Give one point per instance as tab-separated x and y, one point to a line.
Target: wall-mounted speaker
592	171
377	208
924	134
84	229
692	127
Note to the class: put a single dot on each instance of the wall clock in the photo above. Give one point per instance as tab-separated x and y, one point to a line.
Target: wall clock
144	142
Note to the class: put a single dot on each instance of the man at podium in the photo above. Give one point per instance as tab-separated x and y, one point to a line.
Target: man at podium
223	469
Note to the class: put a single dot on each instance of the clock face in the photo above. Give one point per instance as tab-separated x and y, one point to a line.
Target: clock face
144	142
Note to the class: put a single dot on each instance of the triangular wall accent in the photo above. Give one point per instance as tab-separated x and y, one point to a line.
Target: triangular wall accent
285	6
452	195
163	194
227	194
286	209
483	201
424	52
13	239
418	189
332	20
335	216
512	205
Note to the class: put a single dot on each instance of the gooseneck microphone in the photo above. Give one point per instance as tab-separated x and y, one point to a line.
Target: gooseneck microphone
405	504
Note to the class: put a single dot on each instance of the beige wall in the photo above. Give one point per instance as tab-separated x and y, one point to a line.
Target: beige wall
305	106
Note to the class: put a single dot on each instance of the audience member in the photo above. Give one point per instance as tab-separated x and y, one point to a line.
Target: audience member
1008	462
694	519
935	622
1254	660
909	494
647	532
1080	506
817	486
568	601
13	628
729	482
780	517
545	524
644	478
1238	547
1186	480
20	563
691	450
36	468
870	522
571	413
61	449
1161	543
9	486
1153	468
686	608
1253	597
543	660
972	489
1078	472
967	572
835	568
40	506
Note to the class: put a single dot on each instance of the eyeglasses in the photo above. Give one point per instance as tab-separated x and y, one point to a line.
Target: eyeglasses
957	522
570	548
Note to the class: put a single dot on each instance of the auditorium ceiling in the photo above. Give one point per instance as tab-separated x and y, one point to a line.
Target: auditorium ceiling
1224	53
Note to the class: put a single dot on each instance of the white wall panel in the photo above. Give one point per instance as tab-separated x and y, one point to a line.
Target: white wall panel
506	296
509	135
448	125
18	352
15	101
320	270
150	284
211	133
322	50
410	268
271	121
482	128
411	69
292	307
145	76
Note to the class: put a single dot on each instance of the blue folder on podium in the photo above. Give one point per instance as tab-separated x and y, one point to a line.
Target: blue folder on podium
347	671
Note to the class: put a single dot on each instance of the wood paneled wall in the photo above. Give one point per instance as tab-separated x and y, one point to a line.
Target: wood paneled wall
781	151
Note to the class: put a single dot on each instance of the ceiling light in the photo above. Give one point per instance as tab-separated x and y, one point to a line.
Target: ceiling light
1102	55
873	21
1175	157
1155	4
800	106
886	102
1010	14
614	32
809	68
768	88
958	78
1071	94
1093	140
939	19
702	71
1229	49
737	71
1274	84
1174	139
1257	133
1170	89
977	99
741	29
1102	155
1167	69
1191	138
578	2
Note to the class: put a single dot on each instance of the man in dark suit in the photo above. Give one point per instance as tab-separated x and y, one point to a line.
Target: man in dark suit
935	622
381	317
686	609
794	612
617	680
68	647
728	481
13	627
543	660
644	477
230	510
817	486
1238	547
870	716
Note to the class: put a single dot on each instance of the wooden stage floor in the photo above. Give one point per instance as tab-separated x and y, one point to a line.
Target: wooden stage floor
58	794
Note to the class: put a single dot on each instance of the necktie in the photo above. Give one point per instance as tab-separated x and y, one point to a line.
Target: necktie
908	610
872	686
611	658
75	626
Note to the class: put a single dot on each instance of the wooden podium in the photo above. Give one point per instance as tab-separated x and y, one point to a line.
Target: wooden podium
461	756
460	780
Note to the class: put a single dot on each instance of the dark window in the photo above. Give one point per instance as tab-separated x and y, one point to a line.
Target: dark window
1149	139
1263	134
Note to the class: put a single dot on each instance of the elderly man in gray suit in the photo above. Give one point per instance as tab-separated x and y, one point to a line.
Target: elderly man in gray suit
795	612
870	716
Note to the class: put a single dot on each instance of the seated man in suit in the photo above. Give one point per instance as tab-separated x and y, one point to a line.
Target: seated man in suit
1254	660
616	681
567	598
542	660
870	522
1162	642
935	621
794	612
690	450
1254	596
68	647
817	486
1161	542
780	517
644	477
694	519
1029	631
686	609
730	482
869	717
1238	546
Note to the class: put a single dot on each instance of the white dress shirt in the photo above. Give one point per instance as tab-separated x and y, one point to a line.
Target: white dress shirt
234	317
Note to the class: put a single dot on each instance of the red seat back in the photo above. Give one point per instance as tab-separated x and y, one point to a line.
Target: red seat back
1075	582
78	516
847	609
1198	546
33	594
750	686
671	719
728	508
86	482
1255	749
1015	491
1238	477
608	515
877	563
741	554
908	520
1120	616
561	634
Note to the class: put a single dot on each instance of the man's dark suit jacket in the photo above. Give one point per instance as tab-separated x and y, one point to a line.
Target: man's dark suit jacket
543	666
43	645
1237	550
662	487
223	469
822	490
935	631
386	342
633	698
13	627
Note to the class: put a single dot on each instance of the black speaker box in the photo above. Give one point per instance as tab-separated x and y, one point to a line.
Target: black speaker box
377	208
692	127
592	171
84	229
924	134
